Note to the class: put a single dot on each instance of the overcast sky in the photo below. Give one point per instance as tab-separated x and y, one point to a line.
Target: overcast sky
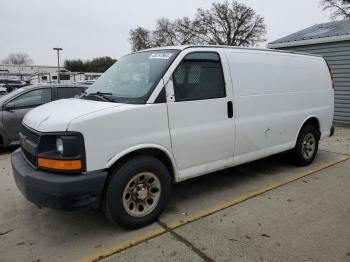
86	29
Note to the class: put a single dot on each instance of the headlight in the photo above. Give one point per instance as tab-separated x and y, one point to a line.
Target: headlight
63	151
59	145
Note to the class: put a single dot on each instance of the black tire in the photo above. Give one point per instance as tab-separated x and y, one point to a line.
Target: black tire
120	179
2	148
298	157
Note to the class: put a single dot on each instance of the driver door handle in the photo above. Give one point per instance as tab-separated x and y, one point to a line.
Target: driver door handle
229	109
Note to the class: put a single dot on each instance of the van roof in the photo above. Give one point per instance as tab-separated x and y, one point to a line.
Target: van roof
183	47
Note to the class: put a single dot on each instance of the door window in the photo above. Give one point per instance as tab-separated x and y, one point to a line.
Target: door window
62	92
199	76
73	91
68	92
33	98
64	77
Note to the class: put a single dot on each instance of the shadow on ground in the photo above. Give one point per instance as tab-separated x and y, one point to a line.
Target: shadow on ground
8	150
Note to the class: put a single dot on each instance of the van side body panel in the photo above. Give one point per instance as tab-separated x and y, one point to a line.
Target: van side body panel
275	93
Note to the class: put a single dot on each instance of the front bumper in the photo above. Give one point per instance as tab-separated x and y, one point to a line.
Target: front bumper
58	191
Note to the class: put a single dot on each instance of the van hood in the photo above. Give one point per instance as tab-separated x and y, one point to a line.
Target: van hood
56	116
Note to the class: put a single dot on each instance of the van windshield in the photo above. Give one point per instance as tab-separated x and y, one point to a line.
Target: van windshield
133	78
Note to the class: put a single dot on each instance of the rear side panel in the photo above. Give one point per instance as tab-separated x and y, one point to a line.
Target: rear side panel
275	94
337	56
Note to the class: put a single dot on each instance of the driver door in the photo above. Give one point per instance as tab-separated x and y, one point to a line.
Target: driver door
200	114
15	110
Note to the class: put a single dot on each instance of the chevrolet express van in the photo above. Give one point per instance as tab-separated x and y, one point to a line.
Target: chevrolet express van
164	115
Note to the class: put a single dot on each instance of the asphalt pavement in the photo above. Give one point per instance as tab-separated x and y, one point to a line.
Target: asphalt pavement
268	210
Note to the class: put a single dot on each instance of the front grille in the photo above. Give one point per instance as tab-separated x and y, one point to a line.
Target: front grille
31	158
30	135
33	138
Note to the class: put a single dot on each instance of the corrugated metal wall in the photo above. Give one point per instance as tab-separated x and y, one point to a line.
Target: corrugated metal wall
337	55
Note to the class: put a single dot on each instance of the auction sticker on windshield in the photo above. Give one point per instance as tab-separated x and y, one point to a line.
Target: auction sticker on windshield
165	56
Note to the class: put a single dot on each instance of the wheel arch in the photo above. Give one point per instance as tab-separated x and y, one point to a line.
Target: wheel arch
158	151
311	120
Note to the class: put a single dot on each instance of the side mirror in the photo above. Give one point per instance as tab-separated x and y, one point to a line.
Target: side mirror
10	106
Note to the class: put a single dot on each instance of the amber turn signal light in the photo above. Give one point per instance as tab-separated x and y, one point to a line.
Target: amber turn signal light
69	165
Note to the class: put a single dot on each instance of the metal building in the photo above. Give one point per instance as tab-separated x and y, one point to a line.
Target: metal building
332	41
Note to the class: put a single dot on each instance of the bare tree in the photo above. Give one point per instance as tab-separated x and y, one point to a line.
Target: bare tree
17	59
226	23
140	38
340	8
178	32
164	34
229	23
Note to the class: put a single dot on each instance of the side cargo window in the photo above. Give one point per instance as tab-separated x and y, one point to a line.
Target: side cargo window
199	76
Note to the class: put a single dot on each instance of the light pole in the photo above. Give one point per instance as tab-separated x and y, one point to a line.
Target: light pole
58	49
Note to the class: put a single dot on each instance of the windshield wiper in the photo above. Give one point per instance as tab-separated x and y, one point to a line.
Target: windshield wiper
103	95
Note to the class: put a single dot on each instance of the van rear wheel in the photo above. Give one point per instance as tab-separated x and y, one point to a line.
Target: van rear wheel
306	147
137	192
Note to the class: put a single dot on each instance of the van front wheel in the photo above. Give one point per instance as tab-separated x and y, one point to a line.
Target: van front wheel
306	147
137	192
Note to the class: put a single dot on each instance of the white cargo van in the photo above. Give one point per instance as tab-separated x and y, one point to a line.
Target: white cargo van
165	115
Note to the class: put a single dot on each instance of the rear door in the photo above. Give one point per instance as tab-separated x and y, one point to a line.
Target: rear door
200	114
22	104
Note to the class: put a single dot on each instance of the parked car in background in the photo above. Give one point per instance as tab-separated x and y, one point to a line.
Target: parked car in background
15	105
12	84
3	90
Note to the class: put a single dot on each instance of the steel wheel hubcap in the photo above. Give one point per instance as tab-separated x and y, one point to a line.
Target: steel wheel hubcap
141	195
309	145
